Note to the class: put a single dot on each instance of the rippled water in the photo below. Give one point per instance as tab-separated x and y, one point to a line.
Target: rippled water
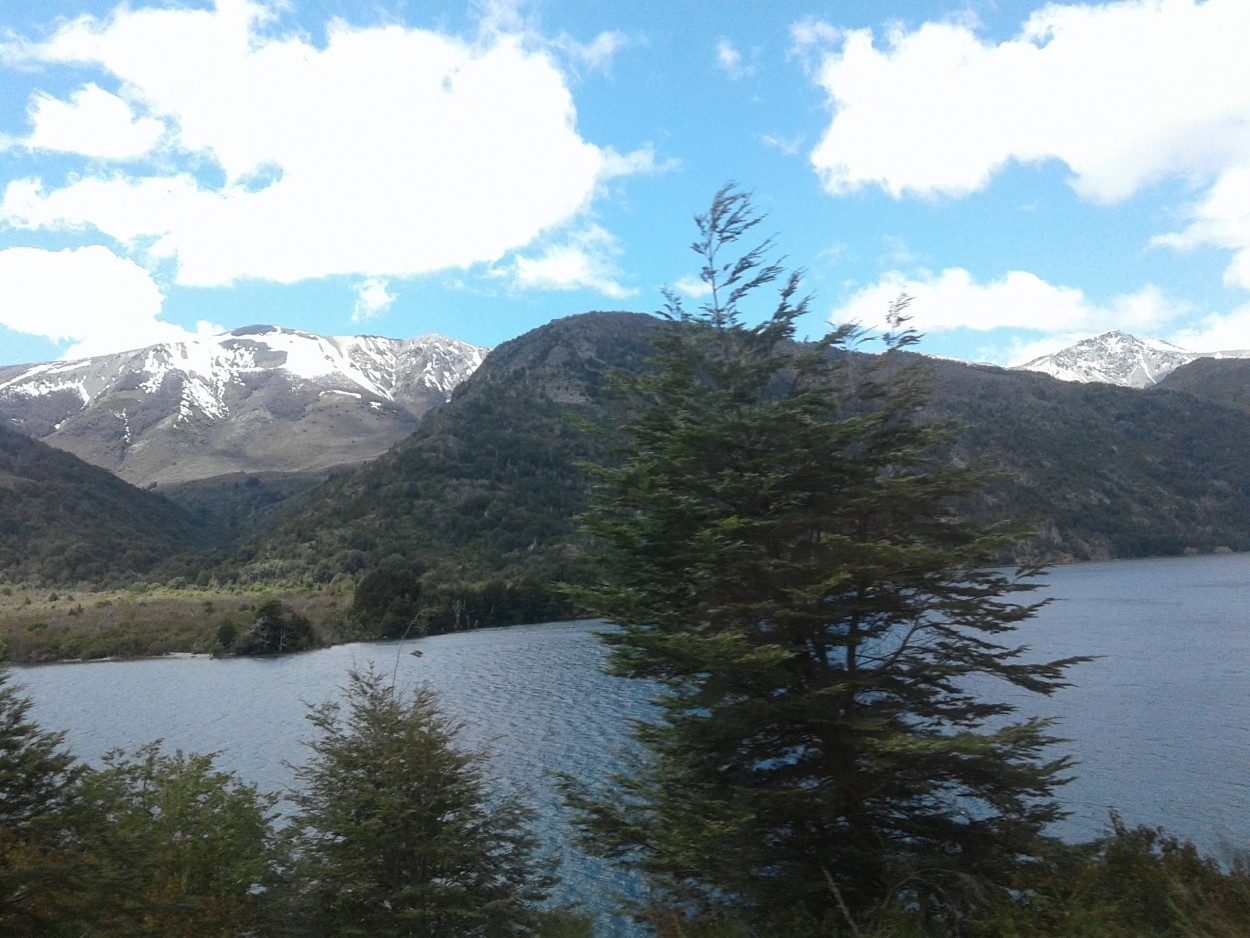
1160	724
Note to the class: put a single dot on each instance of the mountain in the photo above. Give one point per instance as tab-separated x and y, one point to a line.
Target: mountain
1102	471
1113	358
258	399
481	499
1224	381
65	521
479	502
1119	358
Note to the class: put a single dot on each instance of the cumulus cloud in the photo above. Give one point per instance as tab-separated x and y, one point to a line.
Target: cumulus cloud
1221	219
1124	93
954	299
93	123
373	298
385	152
87	296
584	261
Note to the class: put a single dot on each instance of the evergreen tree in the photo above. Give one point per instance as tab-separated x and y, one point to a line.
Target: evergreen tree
37	777
779	551
395	833
173	847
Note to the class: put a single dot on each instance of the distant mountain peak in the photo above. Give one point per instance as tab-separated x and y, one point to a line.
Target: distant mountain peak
1115	358
232	402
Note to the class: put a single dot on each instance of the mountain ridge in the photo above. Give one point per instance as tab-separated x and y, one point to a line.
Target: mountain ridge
1119	358
63	520
259	398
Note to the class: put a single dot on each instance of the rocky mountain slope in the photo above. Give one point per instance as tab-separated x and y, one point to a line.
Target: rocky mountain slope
258	399
1119	358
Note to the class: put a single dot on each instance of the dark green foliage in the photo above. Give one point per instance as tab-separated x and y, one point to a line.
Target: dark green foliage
36	787
387	602
1134	883
1105	471
235	504
276	630
227	636
395	833
172	846
64	521
780	551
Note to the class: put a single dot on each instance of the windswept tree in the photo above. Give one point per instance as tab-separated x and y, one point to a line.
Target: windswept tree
780	551
395	832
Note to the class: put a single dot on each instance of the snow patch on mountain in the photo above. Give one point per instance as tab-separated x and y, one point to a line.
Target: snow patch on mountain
204	369
1119	358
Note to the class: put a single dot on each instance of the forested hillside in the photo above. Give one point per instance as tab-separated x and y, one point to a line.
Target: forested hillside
64	521
479	502
1103	471
478	505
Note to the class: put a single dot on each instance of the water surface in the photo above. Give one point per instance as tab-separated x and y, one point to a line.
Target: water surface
1160	724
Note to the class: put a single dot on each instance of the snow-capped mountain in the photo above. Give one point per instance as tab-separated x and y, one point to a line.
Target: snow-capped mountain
261	398
1119	358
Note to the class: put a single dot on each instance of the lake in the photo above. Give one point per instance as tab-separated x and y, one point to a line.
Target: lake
1160	724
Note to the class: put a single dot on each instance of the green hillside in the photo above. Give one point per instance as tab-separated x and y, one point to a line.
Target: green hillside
64	521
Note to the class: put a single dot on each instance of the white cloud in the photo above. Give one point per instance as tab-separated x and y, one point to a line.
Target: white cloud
787	146
596	55
93	123
729	60
373	298
88	296
1222	219
693	287
953	299
1124	93
388	152
1218	332
809	36
585	261
634	163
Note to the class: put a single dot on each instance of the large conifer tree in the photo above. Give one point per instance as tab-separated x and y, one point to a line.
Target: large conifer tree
779	550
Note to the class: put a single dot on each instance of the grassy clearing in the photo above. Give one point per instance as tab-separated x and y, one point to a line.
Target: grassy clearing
38	625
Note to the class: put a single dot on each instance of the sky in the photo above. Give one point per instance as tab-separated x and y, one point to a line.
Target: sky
1030	174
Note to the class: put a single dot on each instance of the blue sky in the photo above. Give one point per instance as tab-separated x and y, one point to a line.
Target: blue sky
1031	174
